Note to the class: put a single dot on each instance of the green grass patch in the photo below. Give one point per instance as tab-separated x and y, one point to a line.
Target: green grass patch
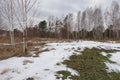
91	65
64	74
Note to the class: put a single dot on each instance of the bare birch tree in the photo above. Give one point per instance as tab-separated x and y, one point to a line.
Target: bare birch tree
83	24
0	21
89	12
24	15
68	24
98	23
79	23
114	16
7	11
51	25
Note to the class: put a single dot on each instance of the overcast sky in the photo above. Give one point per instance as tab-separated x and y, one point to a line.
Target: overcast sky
62	7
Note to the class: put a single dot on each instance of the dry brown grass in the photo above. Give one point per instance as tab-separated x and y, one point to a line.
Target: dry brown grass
50	39
43	39
7	39
7	51
38	39
36	43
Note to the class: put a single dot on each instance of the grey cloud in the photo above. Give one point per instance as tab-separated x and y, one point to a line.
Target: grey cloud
61	7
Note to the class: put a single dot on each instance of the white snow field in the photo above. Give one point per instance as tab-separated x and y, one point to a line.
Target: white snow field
45	66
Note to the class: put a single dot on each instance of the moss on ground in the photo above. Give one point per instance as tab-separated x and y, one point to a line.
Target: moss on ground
91	65
64	74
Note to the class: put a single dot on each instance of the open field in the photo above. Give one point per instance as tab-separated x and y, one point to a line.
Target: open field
74	60
59	40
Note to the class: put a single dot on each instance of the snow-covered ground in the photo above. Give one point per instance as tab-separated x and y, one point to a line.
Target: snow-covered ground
45	66
114	66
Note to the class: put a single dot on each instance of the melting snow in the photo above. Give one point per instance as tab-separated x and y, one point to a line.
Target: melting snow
114	66
44	67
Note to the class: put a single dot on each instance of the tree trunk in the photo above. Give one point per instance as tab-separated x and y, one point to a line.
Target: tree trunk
12	39
25	43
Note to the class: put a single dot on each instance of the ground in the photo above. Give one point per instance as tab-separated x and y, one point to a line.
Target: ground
54	62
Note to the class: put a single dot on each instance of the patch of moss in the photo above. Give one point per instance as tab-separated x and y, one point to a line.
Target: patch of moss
65	74
91	65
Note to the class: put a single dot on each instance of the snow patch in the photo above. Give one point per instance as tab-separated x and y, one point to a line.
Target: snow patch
114	66
44	67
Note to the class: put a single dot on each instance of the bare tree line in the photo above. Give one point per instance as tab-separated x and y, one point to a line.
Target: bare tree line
92	23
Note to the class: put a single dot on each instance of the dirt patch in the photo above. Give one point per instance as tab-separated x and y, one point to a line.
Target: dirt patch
5	71
30	79
25	62
37	52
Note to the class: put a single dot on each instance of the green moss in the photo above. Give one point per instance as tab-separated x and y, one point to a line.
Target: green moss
109	55
114	76
91	65
64	73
